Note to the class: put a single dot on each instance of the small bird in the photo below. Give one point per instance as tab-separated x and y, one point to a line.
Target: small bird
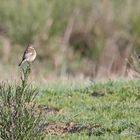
29	55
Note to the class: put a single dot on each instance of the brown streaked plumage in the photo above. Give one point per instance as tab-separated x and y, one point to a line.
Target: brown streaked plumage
29	55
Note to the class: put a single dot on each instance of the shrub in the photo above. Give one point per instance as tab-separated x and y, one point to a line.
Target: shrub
19	118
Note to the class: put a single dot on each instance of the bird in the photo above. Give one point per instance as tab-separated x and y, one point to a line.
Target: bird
29	55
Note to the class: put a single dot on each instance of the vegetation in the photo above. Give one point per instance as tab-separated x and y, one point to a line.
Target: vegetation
77	38
102	110
85	31
19	118
112	108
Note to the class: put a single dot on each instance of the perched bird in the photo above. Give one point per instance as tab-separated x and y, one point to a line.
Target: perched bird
29	55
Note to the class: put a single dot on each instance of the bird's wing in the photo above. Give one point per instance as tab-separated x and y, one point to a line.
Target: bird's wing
27	54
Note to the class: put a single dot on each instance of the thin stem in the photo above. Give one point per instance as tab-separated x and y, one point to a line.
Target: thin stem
25	71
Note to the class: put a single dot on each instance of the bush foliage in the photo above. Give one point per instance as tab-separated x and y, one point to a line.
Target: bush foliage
19	118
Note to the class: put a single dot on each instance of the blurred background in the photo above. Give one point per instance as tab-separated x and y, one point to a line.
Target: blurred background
73	38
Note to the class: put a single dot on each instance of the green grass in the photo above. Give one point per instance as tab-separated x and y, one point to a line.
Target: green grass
117	112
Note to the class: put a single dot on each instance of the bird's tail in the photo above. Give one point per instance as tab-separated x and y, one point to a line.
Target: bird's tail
21	62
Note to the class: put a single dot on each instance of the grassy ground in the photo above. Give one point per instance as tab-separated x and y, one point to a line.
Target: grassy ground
106	111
